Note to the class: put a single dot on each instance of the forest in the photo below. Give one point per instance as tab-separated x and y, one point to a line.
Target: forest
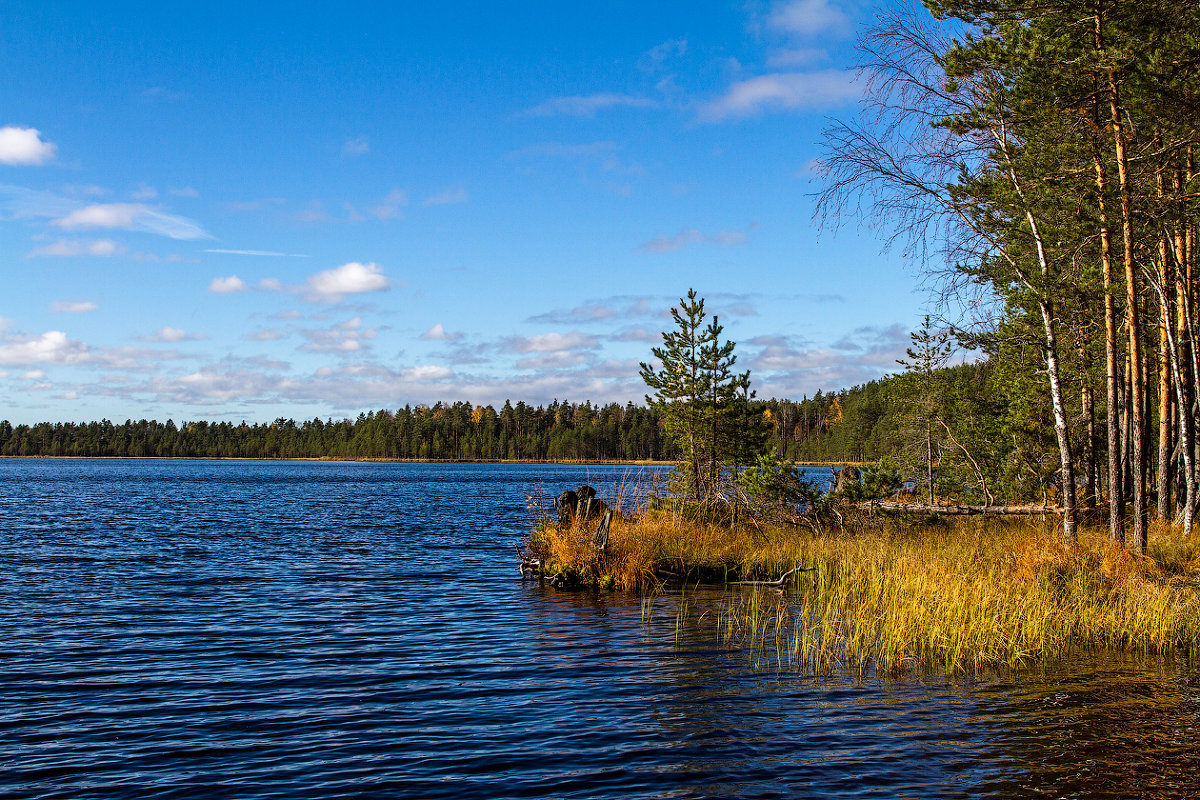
1039	161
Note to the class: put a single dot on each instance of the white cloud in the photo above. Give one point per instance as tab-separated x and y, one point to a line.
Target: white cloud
329	286
628	307
566	151
167	334
665	244
555	360
587	105
332	285
68	307
550	342
86	190
183	191
133	217
230	285
358	146
266	335
144	192
809	18
69	248
796	57
24	147
256	205
426	373
639	333
654	58
438	333
389	207
593	312
271	253
206	385
689	236
313	213
789	367
51	347
34	375
785	90
343	338
17	202
447	197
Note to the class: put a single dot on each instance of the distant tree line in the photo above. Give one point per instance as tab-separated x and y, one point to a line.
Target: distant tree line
443	431
850	425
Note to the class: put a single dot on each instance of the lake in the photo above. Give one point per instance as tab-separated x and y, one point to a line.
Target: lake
318	629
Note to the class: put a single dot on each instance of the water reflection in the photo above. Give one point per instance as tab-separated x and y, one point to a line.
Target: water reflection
1100	724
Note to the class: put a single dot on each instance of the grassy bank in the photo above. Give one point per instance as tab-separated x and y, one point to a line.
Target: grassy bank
890	595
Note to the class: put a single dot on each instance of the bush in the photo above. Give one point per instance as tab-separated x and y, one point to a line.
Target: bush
777	483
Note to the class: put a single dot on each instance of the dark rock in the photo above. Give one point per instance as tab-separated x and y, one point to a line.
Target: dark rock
567	579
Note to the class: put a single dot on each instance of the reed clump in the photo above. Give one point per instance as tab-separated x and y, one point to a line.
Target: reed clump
889	596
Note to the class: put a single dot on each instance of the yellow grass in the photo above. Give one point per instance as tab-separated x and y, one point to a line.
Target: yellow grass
969	594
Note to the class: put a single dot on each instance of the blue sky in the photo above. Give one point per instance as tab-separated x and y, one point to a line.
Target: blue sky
245	211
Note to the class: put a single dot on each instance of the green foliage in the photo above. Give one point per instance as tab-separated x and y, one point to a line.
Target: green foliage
778	482
879	481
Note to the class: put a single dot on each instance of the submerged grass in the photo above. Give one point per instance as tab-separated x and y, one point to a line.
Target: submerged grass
890	596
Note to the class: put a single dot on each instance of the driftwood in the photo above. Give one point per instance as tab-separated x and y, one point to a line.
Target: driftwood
531	569
600	539
776	584
925	508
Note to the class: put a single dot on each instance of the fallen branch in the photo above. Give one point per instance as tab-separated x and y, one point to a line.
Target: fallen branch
777	583
925	508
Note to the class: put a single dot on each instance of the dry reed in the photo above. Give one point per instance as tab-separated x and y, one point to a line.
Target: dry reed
969	594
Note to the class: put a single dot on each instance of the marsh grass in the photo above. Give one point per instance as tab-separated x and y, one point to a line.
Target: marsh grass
892	596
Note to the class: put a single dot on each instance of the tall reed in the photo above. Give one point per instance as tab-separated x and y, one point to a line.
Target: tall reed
888	596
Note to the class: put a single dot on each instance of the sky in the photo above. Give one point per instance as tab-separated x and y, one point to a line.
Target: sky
248	211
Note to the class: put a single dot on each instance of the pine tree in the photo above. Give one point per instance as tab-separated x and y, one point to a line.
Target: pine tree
929	352
701	399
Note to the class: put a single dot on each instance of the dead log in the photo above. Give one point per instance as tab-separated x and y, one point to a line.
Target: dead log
925	508
600	539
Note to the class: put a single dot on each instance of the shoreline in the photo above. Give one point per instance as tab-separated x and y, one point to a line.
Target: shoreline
377	460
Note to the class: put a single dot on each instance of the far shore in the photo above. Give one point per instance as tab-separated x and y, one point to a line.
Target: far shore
561	461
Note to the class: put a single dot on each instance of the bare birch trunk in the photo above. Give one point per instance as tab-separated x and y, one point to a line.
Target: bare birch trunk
1062	432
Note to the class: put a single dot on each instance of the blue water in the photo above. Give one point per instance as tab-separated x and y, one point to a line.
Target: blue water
282	629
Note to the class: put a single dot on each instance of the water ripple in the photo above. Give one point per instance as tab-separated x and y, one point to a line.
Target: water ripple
216	629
